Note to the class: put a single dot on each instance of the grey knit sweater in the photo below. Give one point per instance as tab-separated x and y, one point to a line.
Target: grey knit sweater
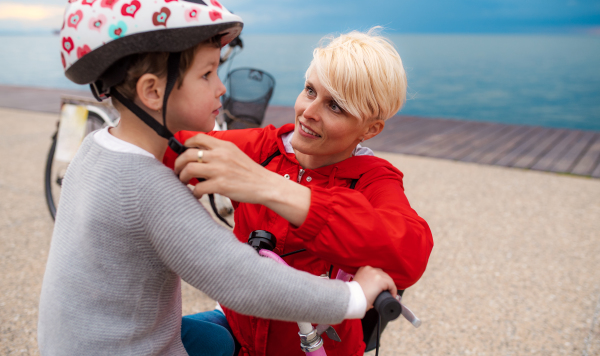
125	233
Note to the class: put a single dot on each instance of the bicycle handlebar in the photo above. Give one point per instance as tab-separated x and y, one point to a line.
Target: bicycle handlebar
387	306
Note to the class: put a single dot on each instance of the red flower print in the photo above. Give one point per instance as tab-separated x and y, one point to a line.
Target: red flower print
67	43
191	14
214	15
160	18
82	51
108	3
216	3
131	8
75	19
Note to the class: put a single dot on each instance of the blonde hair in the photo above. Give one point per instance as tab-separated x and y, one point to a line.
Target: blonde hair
363	72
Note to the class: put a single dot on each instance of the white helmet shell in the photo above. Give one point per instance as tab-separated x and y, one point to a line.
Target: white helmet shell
97	33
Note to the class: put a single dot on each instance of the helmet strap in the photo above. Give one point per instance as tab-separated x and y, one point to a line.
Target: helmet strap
172	75
161	130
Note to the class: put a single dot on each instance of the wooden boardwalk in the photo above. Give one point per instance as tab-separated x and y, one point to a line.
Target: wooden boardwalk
539	148
529	147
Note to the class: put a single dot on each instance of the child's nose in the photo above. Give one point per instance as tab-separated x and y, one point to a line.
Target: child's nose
221	89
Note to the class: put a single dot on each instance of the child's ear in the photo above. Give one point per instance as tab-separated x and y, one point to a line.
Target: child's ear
150	91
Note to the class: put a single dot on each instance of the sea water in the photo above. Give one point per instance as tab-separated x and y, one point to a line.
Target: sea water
545	80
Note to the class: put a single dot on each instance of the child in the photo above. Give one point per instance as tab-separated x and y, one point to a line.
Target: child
127	230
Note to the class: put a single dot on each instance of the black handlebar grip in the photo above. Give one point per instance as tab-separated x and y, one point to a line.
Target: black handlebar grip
262	239
387	306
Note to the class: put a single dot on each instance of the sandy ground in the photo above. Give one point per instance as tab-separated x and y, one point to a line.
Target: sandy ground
515	269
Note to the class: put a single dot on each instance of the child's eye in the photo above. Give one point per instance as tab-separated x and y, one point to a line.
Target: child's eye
205	76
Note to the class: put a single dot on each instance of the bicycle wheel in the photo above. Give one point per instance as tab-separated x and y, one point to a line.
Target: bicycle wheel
55	169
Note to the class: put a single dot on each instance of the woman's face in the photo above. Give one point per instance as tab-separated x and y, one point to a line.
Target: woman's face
323	130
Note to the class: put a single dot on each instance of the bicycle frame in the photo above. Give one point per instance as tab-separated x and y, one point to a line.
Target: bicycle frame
310	339
387	307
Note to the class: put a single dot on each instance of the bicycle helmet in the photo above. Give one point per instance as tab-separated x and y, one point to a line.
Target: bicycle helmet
98	38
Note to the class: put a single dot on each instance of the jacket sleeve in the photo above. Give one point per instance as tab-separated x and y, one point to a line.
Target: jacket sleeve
373	225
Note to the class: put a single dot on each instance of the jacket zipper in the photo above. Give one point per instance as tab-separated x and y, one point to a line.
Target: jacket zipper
300	174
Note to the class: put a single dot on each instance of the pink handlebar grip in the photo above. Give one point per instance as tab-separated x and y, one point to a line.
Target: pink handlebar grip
272	255
319	352
342	276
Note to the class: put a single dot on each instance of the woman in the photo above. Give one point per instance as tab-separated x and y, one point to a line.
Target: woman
324	192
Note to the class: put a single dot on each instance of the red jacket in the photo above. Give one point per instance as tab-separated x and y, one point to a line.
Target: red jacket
371	225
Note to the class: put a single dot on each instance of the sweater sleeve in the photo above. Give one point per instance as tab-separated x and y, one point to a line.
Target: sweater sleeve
210	258
372	225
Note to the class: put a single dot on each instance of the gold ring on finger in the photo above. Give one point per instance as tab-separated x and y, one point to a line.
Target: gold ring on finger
200	155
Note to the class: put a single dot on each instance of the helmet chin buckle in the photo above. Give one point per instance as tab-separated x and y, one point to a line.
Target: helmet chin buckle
98	93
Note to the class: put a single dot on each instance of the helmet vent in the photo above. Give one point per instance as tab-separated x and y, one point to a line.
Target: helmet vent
197	2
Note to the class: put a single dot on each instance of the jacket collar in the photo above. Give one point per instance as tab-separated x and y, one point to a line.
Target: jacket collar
350	168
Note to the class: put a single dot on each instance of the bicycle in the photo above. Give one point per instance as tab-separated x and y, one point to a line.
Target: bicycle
386	308
78	117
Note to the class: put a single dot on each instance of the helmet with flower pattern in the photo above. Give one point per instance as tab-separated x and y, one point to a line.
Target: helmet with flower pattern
98	33
99	37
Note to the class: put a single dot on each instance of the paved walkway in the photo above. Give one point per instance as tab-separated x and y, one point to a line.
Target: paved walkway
514	270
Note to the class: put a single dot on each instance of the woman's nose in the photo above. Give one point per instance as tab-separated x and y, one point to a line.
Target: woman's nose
312	111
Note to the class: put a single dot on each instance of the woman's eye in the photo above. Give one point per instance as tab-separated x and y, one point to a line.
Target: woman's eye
309	91
335	107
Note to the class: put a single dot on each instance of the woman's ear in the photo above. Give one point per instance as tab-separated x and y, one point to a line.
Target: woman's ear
150	91
374	129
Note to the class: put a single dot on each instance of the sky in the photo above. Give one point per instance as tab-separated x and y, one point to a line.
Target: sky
326	16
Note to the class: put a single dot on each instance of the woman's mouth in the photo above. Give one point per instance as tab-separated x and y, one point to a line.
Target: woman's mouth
308	131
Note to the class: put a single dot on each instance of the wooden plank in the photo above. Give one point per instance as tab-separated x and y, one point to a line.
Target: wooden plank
547	161
278	116
543	145
523	147
590	159
472	146
566	163
452	138
442	133
459	142
450	134
490	144
506	145
596	172
35	99
394	134
432	129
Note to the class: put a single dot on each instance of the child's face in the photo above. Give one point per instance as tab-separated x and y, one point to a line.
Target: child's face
195	105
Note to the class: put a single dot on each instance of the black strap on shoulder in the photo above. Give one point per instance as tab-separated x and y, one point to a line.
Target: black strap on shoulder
270	158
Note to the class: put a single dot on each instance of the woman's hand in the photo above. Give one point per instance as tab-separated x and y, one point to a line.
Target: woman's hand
229	171
373	281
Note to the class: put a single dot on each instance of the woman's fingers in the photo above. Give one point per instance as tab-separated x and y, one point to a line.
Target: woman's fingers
199	170
204	141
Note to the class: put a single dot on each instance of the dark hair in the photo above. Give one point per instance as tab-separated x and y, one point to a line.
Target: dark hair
156	63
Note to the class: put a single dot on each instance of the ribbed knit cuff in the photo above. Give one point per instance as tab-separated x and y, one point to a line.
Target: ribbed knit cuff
357	307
